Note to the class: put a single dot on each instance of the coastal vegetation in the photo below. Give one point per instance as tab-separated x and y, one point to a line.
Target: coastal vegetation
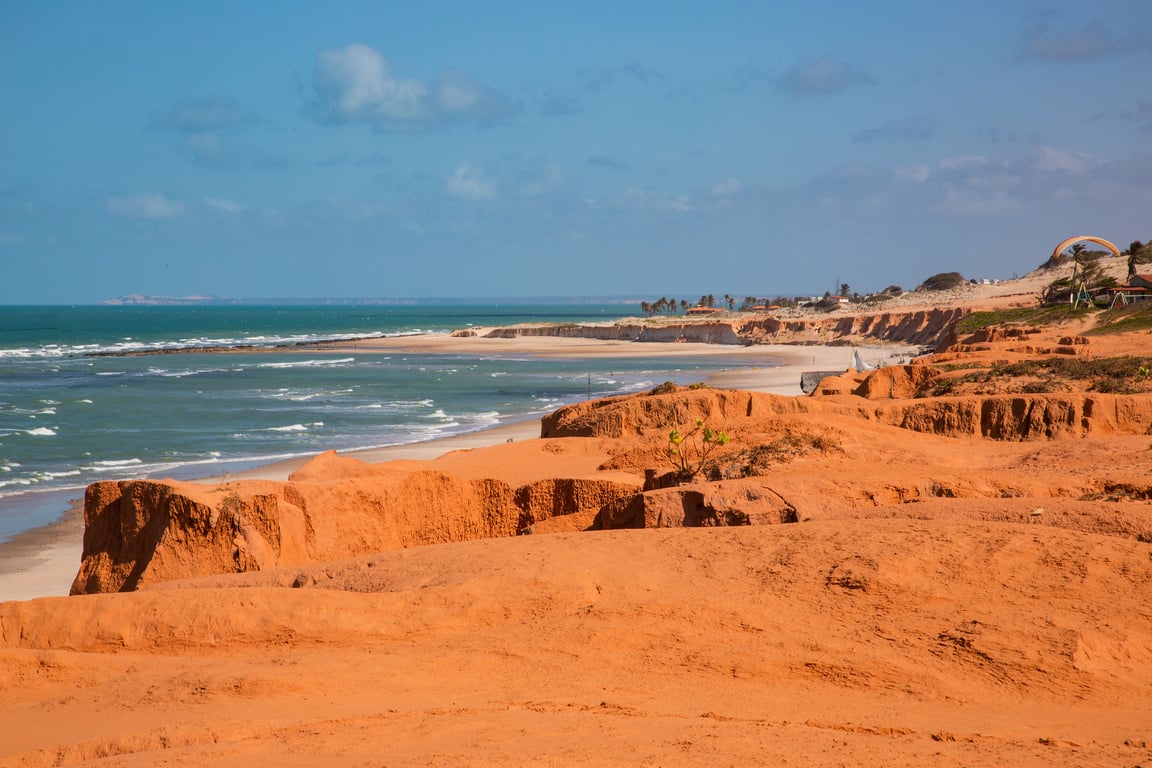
1018	316
942	281
1136	317
1114	375
693	451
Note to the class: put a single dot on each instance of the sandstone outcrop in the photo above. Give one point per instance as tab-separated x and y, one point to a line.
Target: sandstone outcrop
139	533
702	505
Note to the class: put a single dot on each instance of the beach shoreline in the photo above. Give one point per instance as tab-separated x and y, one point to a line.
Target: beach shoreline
41	562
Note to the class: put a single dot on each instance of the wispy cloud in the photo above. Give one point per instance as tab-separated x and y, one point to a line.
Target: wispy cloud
599	79
1141	116
607	163
207	114
560	102
1043	41
210	150
356	84
652	201
510	177
470	183
365	160
726	188
207	127
1051	159
224	205
151	206
823	76
898	131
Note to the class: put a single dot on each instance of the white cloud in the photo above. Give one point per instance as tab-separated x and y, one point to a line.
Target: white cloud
1052	159
726	187
151	206
223	205
357	84
468	183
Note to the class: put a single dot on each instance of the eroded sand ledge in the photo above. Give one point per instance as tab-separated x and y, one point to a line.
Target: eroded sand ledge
966	585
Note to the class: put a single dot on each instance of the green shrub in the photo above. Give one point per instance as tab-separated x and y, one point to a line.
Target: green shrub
692	452
942	281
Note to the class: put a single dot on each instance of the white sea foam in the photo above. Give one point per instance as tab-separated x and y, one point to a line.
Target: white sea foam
48	476
309	363
40	432
295	427
113	463
18	482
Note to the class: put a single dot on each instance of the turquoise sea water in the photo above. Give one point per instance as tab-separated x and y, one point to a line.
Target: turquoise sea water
70	416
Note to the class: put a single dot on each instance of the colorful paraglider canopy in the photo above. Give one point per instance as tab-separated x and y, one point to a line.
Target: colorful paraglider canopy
1080	238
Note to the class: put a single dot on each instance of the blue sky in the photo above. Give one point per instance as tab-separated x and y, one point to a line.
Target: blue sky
376	149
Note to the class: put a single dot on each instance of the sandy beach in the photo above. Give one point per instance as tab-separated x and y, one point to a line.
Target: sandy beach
42	562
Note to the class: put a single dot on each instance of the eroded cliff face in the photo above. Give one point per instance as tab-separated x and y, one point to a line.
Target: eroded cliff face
995	417
791	459
930	327
139	533
917	328
961	425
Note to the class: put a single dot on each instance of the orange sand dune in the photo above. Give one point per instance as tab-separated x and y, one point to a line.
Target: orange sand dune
878	642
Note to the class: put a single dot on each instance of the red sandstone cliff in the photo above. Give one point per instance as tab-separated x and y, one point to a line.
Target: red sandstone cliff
143	532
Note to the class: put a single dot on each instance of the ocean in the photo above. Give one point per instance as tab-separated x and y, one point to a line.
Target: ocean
71	415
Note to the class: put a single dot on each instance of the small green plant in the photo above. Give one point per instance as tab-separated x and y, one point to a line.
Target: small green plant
692	452
1144	371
